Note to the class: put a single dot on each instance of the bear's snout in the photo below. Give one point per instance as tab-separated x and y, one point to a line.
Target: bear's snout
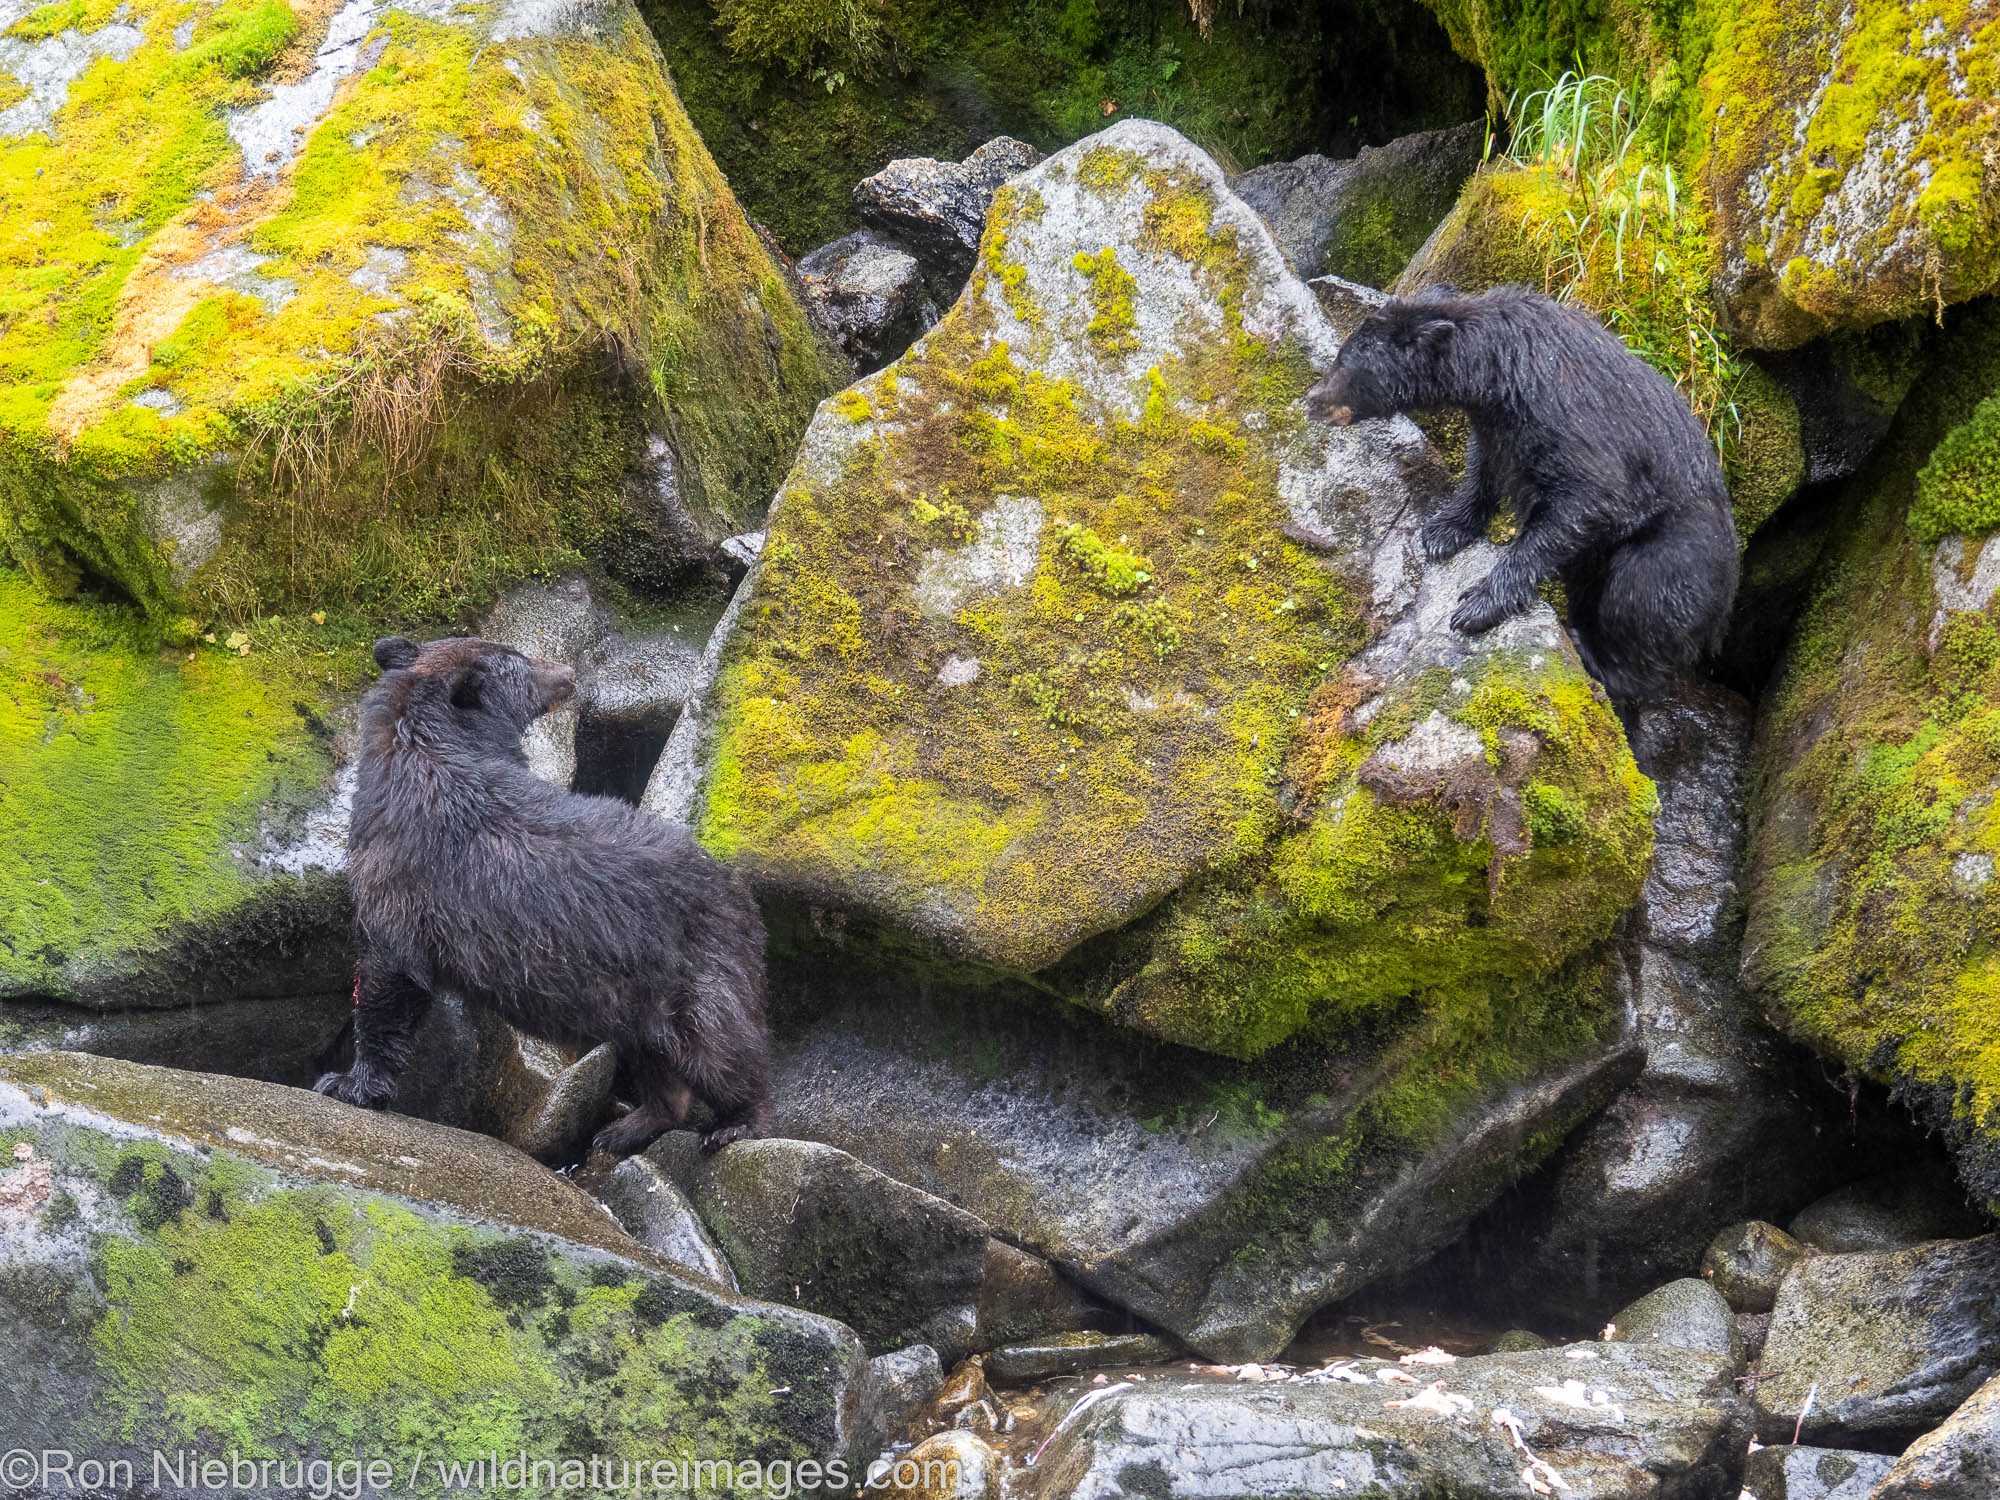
1324	403
557	682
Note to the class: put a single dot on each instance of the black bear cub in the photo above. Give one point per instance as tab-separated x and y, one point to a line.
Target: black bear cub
578	919
1615	483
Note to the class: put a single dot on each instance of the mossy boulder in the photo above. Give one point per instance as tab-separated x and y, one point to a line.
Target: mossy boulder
337	307
1869	886
199	1263
1069	624
168	821
1850	157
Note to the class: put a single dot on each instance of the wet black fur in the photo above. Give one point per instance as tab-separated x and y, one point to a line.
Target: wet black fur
1615	484
579	919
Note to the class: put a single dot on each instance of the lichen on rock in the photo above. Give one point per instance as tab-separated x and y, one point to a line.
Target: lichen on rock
284	292
1093	480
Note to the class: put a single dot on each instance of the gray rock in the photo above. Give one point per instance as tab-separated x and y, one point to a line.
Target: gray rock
938	208
812	1225
1725	1123
675	781
1886	1345
895	1388
743	549
656	1213
1518	1341
1072	1353
1958	1461
1638	1421
1363	218
638	683
165	1236
1747	1262
668	535
557	622
557	1131
868	293
1787	1473
1755	1329
1890	1212
1686	1314
1022	1296
1084	1150
1346	304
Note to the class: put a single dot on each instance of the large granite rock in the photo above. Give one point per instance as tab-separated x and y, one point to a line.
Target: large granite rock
1959	1460
1850	161
1868	876
1362	219
1885	1346
1916	1202
1624	1423
1747	1263
1075	653
319	273
1687	1314
193	1262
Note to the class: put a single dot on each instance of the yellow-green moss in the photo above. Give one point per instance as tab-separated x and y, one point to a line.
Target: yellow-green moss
559	243
1129	720
1958	490
1926	72
1872	902
128	769
237	1311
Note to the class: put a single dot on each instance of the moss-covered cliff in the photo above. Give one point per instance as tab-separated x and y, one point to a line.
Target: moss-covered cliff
1871	896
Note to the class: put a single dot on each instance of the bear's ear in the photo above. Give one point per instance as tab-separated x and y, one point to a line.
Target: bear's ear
395	651
468	686
1433	333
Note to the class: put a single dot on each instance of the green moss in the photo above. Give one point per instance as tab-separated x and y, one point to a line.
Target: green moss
1958	490
129	770
560	244
1870	915
1884	71
798	118
279	1320
1111	288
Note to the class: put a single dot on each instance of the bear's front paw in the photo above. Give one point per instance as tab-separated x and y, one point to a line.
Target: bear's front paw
1445	536
356	1086
1478	610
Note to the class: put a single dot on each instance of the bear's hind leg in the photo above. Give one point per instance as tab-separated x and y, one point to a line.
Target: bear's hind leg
663	1105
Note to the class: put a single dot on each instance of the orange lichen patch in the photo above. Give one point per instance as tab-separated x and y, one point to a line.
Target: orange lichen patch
161	291
297	60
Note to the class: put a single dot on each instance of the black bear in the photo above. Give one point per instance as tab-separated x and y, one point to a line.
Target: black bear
578	919
1615	484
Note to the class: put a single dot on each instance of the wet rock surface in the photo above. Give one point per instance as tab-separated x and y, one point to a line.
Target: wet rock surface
1748	1262
1361	219
1892	1211
1959	1460
1628	1421
938	208
1071	1354
1887	1345
869	293
1725	1122
1798	1473
812	1225
655	1212
1685	1314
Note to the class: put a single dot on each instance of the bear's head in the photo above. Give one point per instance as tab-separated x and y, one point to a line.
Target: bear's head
1389	364
483	682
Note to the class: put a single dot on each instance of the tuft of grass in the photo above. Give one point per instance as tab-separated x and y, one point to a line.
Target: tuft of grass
1623	237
